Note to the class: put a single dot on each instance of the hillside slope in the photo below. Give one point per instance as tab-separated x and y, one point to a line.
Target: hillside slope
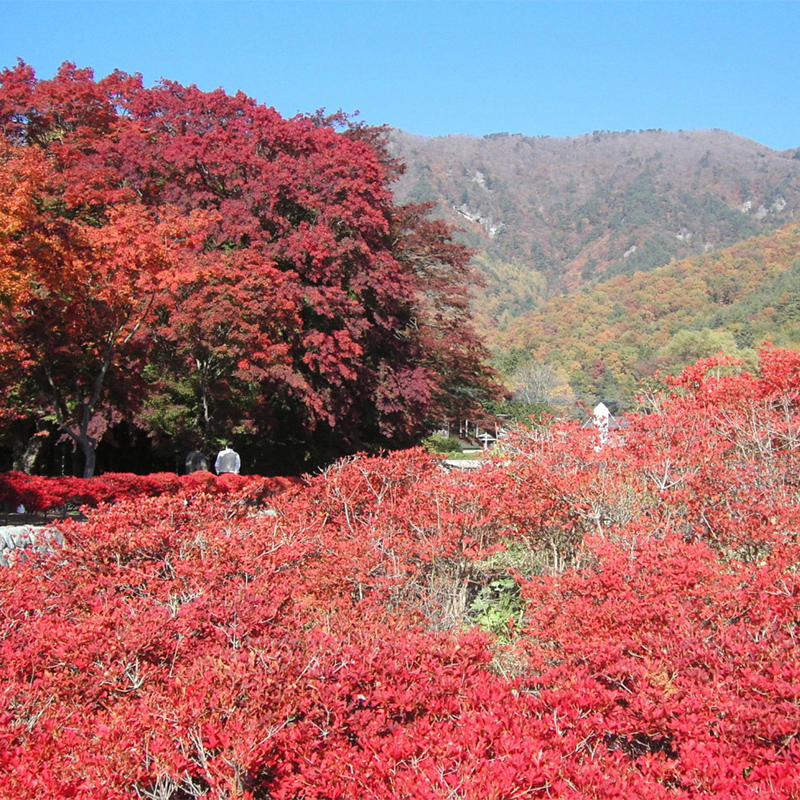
609	336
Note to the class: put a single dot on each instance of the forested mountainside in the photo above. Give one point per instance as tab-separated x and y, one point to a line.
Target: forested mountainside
549	215
610	336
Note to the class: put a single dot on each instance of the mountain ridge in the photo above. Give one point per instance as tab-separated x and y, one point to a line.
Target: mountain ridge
581	209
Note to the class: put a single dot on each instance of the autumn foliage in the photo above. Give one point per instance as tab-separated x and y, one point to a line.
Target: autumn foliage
193	264
59	495
611	336
324	642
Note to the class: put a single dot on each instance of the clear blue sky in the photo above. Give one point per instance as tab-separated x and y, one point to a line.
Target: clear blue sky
432	68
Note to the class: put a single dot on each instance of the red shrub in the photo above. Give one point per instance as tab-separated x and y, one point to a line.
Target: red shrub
39	493
203	645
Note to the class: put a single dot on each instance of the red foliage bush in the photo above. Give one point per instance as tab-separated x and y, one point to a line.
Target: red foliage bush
42	494
686	667
203	646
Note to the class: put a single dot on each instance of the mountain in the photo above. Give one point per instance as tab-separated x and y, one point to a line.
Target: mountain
548	216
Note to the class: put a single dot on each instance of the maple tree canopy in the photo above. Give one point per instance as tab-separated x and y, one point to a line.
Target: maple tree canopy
197	265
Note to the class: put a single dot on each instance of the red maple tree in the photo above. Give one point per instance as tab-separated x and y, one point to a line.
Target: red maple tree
264	257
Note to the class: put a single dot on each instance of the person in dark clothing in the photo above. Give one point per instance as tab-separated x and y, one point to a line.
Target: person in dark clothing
196	460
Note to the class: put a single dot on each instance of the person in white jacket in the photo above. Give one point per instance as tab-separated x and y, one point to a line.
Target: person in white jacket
227	461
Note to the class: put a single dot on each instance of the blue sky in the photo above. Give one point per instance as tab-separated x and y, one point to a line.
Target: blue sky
433	68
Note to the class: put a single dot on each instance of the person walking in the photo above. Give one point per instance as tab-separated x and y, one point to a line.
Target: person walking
196	460
227	461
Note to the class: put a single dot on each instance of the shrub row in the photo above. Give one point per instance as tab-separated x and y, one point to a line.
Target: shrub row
43	494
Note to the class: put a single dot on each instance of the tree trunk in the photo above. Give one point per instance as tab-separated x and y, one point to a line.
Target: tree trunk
31	455
88	444
205	422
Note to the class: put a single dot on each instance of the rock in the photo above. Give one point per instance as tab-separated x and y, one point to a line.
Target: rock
22	537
